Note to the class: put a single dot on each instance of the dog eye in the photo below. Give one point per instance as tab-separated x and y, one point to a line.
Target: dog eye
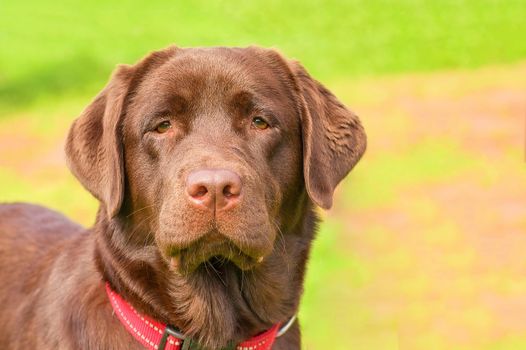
260	123
163	127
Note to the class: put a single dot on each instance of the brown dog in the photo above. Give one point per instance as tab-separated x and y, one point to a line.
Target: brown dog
207	163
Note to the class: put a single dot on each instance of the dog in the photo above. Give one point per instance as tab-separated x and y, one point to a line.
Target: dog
209	164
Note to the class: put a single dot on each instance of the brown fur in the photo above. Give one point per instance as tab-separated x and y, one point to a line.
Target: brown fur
52	271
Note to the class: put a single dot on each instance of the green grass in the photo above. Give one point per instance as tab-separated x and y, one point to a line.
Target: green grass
388	174
57	190
50	49
329	306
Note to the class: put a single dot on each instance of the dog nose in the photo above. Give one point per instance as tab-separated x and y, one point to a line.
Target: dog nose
213	189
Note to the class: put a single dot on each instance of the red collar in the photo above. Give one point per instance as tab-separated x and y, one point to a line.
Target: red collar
150	333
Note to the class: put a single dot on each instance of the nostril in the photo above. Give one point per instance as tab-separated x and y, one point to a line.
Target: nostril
201	191
226	192
197	190
230	192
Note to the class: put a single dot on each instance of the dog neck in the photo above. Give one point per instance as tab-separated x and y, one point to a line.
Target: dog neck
213	307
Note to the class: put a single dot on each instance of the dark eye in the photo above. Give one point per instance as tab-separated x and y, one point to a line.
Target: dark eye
260	123
163	127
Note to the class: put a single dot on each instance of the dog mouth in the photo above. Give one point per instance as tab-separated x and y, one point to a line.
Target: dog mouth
215	256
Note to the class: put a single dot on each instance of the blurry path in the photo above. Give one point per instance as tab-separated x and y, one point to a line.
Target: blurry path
436	212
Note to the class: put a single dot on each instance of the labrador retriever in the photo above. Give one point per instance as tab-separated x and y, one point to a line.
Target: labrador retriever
208	164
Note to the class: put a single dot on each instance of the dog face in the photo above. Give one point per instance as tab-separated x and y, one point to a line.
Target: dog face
212	147
207	153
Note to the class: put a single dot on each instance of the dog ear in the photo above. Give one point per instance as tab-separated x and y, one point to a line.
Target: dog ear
94	146
333	137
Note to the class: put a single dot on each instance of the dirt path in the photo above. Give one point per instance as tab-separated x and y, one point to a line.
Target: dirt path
444	240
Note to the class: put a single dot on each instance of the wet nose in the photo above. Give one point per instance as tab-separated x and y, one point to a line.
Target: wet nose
213	189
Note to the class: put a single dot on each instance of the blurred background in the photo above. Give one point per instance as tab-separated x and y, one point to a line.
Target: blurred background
424	248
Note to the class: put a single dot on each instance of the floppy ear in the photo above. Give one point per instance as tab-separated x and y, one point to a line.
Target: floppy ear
94	146
333	138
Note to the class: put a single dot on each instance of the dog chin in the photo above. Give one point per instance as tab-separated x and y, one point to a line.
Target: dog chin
211	256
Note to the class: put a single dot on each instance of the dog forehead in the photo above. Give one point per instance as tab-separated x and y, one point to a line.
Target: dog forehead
192	72
213	77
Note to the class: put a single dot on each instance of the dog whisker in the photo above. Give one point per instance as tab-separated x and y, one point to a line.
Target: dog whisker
140	209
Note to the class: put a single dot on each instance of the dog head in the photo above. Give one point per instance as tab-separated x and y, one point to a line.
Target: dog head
207	153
